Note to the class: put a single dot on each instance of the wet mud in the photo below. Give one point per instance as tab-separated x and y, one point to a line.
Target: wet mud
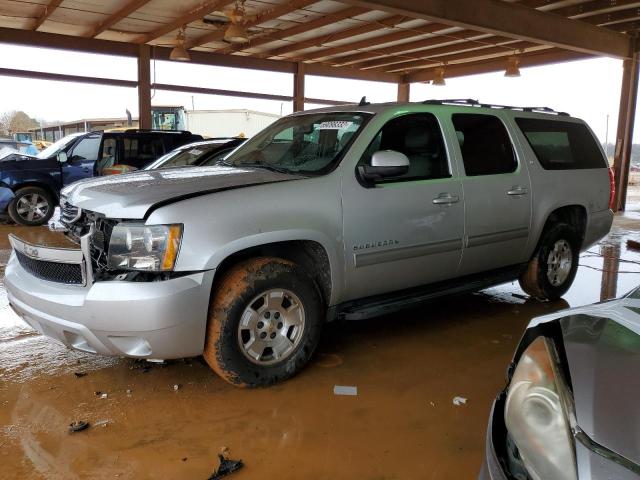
402	424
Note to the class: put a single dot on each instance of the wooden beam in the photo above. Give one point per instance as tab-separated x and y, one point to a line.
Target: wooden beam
593	7
218	91
318	41
59	77
417	45
144	87
265	16
472	48
298	88
398	35
624	136
547	57
511	20
322	21
404	90
468	56
352	73
121	14
48	10
187	17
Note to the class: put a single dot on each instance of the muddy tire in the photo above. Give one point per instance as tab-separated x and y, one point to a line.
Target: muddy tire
265	320
553	267
32	206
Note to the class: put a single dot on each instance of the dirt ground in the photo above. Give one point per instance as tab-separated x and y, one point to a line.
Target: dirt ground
401	425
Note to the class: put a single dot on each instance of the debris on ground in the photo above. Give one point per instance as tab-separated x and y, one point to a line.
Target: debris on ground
633	244
176	387
78	426
457	401
129	392
101	423
226	467
79	374
184	459
520	296
345	390
104	395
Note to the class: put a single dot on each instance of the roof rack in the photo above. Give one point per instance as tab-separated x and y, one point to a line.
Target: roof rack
469	102
151	130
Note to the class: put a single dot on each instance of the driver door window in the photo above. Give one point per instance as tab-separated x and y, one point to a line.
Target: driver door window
86	149
418	136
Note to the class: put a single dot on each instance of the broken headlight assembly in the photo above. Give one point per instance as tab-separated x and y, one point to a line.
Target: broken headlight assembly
536	415
144	247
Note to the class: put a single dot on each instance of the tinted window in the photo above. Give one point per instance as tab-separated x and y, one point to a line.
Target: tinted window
418	136
86	149
561	145
485	144
140	151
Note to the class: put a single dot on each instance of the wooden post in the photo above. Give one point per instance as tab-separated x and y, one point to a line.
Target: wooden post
404	90
624	136
144	87
298	87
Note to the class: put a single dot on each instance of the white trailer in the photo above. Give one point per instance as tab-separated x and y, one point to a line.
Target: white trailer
227	123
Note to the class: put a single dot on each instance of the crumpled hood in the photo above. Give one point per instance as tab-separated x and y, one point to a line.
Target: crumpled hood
132	195
602	343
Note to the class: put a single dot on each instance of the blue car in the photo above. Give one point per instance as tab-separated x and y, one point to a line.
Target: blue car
30	185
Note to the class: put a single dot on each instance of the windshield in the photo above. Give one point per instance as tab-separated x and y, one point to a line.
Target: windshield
193	156
54	148
307	144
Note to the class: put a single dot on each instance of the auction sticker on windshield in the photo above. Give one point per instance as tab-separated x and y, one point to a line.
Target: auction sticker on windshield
335	125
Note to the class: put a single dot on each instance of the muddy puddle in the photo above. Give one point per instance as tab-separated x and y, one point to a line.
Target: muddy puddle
402	424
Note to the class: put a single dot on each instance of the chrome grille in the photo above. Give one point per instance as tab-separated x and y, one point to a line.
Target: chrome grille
68	273
68	213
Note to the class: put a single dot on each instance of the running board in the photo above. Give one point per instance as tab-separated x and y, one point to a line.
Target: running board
385	304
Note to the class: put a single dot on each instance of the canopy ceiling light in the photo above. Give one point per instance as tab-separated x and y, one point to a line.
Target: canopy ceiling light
513	66
438	78
178	52
236	31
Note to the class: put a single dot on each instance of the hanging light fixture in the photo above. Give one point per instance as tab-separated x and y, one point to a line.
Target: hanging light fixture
438	76
513	66
236	32
180	53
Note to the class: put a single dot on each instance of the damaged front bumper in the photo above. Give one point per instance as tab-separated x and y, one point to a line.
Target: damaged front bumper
53	290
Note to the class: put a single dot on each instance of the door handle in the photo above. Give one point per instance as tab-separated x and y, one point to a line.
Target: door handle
446	199
518	190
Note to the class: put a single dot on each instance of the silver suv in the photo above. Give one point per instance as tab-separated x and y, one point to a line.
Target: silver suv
345	213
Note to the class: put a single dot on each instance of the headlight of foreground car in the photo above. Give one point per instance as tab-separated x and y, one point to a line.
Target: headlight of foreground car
144	247
536	416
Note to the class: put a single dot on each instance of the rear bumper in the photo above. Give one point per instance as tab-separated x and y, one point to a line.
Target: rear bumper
159	320
598	225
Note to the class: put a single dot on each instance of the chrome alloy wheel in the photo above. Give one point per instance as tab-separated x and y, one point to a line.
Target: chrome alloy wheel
559	263
271	326
32	207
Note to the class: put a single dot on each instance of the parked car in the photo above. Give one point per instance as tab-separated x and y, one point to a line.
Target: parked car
198	154
30	185
347	212
570	408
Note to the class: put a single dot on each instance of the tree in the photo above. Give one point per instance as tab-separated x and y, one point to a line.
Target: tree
16	121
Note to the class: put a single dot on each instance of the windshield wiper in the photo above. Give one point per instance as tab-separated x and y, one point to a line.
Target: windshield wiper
264	166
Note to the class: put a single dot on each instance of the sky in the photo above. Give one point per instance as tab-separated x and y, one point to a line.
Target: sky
588	89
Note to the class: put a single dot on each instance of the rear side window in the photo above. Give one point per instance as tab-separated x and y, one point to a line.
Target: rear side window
561	145
485	144
140	151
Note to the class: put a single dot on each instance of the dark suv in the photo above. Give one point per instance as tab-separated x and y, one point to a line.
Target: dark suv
30	185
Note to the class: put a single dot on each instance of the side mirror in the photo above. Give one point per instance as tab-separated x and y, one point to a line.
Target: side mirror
62	157
384	164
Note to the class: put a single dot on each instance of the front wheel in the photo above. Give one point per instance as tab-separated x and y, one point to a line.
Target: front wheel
265	320
31	206
553	267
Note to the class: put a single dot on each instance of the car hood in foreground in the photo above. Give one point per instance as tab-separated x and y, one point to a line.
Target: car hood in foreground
602	343
133	194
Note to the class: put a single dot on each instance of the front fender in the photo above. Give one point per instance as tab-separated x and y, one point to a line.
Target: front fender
264	238
6	195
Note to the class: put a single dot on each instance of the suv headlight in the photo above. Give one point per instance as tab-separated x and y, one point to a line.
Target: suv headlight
144	247
536	415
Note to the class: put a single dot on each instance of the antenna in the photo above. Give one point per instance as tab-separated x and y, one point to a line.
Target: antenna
363	102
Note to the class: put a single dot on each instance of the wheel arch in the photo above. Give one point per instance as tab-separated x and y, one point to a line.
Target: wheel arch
35	183
310	253
574	214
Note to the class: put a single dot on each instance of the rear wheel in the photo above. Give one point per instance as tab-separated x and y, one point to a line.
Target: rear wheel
31	206
265	320
553	267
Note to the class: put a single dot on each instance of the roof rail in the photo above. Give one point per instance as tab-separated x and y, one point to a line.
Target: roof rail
469	102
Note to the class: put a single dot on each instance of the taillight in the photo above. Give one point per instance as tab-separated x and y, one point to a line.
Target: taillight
612	189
